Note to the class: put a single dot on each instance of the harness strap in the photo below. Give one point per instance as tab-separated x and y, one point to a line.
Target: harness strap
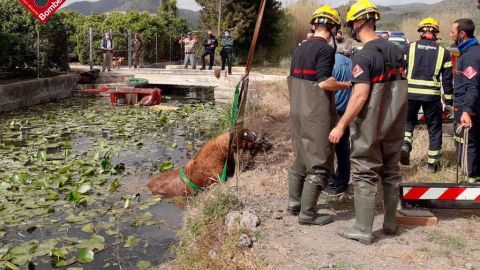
188	182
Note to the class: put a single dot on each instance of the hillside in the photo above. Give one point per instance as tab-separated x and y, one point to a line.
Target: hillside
394	15
102	6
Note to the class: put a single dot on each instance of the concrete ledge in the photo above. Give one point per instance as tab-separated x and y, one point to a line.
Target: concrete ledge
37	91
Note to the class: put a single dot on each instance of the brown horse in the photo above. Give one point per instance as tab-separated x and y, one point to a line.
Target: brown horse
207	165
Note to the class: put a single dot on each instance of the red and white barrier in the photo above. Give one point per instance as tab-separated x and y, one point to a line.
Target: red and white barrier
441	193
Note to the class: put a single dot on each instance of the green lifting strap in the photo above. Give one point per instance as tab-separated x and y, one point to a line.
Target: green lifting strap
188	182
235	109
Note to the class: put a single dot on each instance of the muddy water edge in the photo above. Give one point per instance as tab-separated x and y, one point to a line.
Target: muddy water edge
73	177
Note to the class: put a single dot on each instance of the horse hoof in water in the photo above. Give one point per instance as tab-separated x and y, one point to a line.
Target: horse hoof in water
207	165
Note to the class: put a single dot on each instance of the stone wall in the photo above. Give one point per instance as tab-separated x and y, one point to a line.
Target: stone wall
32	92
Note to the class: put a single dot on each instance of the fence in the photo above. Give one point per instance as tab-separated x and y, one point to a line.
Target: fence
155	49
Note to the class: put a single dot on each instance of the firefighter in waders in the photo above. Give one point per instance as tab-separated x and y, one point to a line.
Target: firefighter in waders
312	113
429	68
467	95
377	113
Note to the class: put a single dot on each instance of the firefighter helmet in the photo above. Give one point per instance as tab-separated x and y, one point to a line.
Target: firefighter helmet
363	9
429	24
326	14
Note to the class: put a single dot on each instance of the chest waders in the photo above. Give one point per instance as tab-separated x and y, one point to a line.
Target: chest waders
377	136
313	115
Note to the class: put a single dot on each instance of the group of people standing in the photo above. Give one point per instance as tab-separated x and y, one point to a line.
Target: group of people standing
107	47
387	91
210	44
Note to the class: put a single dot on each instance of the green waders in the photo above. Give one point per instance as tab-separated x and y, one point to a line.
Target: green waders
313	115
377	136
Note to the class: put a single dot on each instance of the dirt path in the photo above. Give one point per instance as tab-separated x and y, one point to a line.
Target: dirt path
284	244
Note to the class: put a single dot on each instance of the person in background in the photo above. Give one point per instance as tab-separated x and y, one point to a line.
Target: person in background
309	35
385	35
344	47
429	70
106	46
190	43
227	51
467	95
137	46
338	182
210	43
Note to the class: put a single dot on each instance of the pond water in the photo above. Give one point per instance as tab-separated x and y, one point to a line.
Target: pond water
73	179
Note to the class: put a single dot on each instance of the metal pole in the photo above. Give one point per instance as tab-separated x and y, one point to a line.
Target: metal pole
156	48
38	53
219	16
90	41
170	47
129	48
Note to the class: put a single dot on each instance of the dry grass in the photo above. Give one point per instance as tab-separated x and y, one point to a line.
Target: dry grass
409	25
205	243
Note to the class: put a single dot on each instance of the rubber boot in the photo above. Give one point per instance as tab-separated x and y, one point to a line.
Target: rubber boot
308	215
433	168
295	187
390	203
364	200
405	153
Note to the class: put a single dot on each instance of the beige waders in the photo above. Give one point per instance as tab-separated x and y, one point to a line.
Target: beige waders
377	136
313	115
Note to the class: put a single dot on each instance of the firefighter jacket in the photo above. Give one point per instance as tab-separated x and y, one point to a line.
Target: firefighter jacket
467	78
429	68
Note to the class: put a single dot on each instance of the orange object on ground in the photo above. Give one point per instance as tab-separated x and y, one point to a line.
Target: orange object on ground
153	95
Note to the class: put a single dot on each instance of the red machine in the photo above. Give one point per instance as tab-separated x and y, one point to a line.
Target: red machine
145	96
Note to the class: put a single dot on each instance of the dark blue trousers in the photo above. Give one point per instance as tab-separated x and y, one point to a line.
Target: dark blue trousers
338	181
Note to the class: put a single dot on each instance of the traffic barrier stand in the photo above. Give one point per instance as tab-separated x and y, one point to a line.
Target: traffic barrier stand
415	196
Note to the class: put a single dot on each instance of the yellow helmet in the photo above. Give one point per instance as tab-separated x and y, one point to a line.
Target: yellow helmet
326	14
429	24
363	9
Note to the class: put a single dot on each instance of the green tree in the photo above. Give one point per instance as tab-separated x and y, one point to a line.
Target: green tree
240	17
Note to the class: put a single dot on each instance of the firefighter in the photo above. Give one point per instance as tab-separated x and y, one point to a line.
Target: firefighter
467	94
312	114
377	113
429	69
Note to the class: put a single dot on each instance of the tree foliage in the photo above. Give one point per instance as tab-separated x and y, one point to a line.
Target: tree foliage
240	17
18	40
67	33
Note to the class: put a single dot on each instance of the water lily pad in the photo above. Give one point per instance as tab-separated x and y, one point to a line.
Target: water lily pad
144	265
85	256
130	242
88	228
84	188
166	166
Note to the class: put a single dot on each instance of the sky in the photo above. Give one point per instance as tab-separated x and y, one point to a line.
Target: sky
191	4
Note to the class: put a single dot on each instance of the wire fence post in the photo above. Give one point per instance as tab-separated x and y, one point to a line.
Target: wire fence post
90	41
156	48
129	48
38	53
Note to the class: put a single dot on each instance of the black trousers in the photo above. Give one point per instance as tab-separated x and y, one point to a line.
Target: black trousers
212	55
433	117
473	155
227	58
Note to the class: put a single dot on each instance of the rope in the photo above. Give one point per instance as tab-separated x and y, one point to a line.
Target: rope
464	158
240	100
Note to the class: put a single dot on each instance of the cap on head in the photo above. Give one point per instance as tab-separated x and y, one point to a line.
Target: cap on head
362	10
